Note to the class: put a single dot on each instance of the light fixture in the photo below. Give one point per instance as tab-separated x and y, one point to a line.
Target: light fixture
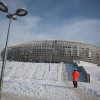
3	6
21	12
11	16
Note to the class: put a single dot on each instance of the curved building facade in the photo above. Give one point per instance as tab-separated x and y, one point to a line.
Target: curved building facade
53	51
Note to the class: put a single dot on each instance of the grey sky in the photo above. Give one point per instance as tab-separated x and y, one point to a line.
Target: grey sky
77	20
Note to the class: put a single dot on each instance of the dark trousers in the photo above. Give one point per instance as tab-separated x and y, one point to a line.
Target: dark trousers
75	84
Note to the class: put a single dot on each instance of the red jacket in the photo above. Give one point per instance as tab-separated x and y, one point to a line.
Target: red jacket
75	75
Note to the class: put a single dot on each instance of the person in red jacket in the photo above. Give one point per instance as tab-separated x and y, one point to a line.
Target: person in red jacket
75	75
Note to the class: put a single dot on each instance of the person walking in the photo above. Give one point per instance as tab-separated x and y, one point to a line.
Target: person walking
75	75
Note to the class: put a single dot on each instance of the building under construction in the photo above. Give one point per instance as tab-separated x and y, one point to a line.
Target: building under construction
53	51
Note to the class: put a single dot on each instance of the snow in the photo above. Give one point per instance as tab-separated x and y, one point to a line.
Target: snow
94	71
34	81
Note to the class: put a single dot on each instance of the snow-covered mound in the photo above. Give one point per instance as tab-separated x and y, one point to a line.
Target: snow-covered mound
40	81
94	71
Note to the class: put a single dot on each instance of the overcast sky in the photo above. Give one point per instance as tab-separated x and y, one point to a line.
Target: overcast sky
77	20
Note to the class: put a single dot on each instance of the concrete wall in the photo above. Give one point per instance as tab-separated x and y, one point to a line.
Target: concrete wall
81	69
82	63
62	75
86	75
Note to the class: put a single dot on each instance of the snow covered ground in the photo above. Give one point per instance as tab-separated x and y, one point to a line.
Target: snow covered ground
34	81
94	71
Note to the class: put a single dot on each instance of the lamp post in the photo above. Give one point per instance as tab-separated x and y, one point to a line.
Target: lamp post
49	57
19	12
54	54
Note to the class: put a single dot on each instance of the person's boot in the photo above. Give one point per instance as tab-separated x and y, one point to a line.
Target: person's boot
75	84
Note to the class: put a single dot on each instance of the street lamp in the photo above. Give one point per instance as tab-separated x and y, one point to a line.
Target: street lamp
19	12
54	54
49	57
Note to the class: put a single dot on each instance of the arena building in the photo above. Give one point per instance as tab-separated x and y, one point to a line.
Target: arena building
53	51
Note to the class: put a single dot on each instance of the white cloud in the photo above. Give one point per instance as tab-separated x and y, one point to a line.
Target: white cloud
20	30
31	22
31	28
86	30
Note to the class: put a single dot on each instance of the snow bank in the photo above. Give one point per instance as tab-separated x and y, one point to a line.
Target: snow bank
94	71
39	81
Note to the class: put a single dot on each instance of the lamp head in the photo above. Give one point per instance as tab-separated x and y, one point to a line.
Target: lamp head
3	6
21	12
